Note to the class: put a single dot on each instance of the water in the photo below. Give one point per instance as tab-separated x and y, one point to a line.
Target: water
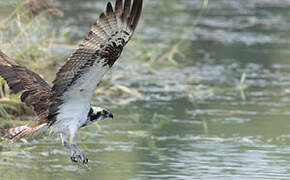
192	121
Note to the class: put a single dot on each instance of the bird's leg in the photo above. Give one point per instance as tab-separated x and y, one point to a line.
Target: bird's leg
78	153
64	139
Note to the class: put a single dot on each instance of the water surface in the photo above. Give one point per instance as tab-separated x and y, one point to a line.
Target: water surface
194	120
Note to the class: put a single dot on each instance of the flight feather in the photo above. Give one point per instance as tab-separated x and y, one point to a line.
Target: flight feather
35	92
98	51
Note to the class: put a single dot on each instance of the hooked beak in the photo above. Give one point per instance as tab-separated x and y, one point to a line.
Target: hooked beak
110	115
107	114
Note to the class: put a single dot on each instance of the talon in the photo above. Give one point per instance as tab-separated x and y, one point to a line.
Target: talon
78	155
85	161
74	159
84	158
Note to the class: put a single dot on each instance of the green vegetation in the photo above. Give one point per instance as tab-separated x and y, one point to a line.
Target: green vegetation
30	41
196	93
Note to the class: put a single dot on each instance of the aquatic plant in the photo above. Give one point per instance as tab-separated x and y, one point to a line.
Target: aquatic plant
241	86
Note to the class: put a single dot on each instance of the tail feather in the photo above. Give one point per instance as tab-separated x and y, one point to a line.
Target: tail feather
16	133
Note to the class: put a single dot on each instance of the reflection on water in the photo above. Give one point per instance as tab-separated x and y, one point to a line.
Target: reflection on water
191	122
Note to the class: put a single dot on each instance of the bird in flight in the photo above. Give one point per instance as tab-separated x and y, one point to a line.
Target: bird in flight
65	107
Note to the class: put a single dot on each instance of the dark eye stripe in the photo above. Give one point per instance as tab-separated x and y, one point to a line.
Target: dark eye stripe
96	116
91	111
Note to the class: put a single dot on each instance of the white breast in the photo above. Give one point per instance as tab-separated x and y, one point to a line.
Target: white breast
74	111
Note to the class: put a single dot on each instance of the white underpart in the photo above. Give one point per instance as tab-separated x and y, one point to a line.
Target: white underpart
74	111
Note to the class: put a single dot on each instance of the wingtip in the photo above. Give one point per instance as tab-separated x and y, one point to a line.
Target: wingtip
127	8
6	60
109	9
135	13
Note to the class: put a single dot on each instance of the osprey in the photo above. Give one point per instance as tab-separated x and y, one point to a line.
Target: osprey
65	107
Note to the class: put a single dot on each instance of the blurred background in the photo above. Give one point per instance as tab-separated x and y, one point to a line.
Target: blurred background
202	91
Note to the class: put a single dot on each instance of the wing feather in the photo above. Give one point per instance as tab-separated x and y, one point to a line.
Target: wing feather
127	8
100	48
109	10
135	14
35	91
118	7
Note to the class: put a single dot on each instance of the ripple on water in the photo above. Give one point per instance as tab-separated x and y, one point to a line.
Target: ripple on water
191	122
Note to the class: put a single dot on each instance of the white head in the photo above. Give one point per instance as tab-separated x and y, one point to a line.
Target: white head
97	114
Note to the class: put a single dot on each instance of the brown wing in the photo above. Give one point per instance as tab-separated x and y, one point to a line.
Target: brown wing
35	91
101	47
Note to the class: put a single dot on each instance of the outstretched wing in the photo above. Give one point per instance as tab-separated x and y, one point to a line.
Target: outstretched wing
35	91
97	53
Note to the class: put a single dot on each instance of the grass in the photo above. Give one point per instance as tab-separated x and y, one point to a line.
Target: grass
30	41
27	40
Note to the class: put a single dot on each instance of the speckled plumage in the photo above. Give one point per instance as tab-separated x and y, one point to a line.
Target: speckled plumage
65	107
100	48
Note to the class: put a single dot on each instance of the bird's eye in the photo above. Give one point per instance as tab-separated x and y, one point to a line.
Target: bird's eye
103	113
